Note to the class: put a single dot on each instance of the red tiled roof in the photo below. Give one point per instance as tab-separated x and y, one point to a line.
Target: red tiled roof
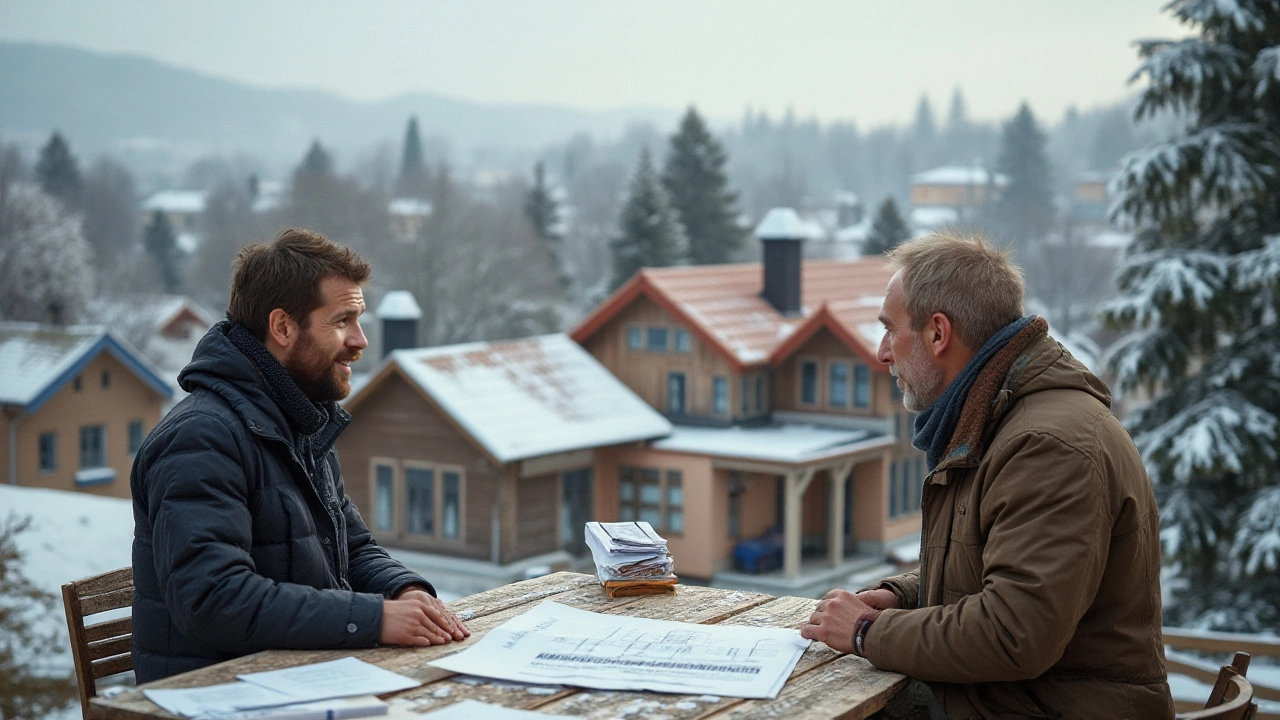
722	304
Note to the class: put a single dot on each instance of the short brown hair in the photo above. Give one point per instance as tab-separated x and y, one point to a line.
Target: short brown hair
286	274
978	287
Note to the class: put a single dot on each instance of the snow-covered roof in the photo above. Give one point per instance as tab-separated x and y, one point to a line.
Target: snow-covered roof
959	175
1110	239
783	224
409	206
782	442
526	398
931	217
398	305
153	310
37	360
176	201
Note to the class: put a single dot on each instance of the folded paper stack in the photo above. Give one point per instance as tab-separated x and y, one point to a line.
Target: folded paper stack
631	559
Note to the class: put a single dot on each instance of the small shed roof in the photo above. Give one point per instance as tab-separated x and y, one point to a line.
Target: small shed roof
176	201
526	398
37	360
959	175
398	305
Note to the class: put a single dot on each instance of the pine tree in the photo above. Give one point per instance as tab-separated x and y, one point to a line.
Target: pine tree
1201	290
957	137
888	230
317	161
161	244
649	235
924	135
695	180
58	172
1025	211
413	178
544	215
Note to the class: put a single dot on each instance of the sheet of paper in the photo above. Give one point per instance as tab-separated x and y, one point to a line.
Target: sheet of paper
333	679
472	710
556	644
215	699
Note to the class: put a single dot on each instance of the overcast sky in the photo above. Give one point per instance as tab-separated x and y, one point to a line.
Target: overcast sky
833	59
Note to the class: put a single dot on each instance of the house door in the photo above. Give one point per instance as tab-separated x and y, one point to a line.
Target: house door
675	393
575	509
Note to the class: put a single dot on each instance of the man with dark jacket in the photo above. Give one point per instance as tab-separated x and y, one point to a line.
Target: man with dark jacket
244	538
1038	591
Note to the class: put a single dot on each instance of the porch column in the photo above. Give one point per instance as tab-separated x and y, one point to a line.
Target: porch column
797	482
835	525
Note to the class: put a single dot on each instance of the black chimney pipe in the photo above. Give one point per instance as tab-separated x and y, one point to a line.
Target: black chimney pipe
399	314
782	232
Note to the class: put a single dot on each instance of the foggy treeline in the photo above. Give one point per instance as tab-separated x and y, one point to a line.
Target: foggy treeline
479	267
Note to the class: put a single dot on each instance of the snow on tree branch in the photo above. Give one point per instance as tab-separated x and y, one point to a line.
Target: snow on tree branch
1158	283
1188	521
1186	74
1216	434
1257	541
1266	72
1152	358
1218	15
1258	269
1217	166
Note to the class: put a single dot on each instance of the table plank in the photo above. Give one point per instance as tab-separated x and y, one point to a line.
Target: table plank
691	604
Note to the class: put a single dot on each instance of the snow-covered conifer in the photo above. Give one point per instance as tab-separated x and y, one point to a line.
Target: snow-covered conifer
1201	295
649	235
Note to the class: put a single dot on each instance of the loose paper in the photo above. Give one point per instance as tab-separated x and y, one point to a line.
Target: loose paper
336	678
556	644
474	710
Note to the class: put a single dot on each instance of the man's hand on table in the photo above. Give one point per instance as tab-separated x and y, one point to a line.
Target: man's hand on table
414	617
837	614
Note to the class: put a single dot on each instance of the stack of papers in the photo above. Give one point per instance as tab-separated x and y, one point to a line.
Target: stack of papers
631	559
305	691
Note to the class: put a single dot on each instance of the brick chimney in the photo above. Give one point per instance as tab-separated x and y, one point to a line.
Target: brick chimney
782	232
399	314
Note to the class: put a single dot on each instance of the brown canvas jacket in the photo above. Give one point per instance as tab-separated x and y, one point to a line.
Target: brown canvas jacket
1038	592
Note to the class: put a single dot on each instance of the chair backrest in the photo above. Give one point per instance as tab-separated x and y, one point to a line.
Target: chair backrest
103	648
1232	695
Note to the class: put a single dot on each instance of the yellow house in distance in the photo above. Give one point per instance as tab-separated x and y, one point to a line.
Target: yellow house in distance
75	404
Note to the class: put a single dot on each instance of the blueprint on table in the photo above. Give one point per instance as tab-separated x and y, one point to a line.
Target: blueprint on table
556	644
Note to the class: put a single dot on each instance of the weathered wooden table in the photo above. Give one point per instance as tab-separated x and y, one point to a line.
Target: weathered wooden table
824	684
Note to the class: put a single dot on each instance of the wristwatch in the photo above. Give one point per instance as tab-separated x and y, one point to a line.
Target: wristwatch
860	628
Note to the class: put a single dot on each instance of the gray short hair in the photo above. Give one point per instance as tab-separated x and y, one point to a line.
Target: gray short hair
977	286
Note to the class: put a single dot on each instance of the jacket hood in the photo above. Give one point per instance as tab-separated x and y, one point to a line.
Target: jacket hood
219	367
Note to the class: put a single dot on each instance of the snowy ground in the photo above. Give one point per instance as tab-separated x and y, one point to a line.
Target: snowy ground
74	535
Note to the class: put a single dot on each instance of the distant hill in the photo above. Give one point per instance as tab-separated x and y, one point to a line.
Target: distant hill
109	102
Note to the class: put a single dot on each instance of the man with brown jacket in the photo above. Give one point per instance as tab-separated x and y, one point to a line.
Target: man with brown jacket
1038	591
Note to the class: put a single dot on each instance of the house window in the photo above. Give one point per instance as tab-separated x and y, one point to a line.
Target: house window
384	499
682	340
657	338
908	479
893	490
452	504
746	395
838	385
77	384
135	436
48	452
760	392
675	393
809	383
106	378
644	496
720	395
635	338
420	512
861	386
674	508
93	446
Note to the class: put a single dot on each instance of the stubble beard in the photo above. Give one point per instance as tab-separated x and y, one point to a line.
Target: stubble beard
922	383
315	372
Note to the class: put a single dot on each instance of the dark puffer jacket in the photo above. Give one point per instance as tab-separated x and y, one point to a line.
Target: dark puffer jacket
233	549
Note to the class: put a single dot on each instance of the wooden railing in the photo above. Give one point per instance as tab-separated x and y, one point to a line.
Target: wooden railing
1224	644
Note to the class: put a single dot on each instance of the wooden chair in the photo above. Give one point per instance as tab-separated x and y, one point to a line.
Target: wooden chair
100	649
1232	695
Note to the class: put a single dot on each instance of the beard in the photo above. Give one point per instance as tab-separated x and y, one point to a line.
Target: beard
922	383
316	372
